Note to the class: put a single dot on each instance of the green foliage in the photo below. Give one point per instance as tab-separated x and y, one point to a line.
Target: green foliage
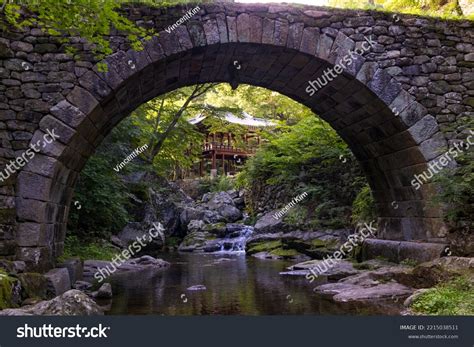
409	262
102	197
222	184
434	8
452	298
295	216
457	191
6	283
87	249
218	184
91	20
308	157
363	207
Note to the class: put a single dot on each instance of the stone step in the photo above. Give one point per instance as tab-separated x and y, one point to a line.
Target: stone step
397	251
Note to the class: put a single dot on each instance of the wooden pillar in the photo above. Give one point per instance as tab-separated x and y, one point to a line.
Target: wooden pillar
223	164
213	160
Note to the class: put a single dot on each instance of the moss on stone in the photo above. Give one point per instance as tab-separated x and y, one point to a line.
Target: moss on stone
33	285
264	246
209	227
328	244
285	253
6	285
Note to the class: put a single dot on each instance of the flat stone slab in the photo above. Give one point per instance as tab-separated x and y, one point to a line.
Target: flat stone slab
295	273
379	292
339	270
91	267
332	289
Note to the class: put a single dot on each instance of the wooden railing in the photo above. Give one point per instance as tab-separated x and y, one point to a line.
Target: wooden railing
209	146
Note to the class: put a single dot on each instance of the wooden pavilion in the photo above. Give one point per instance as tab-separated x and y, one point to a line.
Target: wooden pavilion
222	152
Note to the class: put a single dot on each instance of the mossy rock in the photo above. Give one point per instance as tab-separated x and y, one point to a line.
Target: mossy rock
266	246
7	266
218	229
298	245
9	291
285	253
34	285
140	190
319	243
197	238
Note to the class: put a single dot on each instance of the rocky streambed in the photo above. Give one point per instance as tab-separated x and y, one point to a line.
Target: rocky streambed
215	231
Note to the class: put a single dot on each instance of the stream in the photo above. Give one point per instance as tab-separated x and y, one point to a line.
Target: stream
235	284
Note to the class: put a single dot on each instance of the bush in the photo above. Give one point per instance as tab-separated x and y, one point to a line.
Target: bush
457	191
363	207
87	249
103	198
452	298
307	157
223	184
218	184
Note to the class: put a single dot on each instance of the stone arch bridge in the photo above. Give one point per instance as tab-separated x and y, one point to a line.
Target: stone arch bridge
399	105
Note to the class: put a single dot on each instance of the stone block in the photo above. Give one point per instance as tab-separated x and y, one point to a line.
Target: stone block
423	129
82	99
34	235
37	259
58	281
75	268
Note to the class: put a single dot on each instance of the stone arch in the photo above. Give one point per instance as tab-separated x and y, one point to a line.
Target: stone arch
392	135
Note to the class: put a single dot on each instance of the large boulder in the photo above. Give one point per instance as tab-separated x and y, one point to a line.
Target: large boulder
190	213
217	200
58	281
430	273
197	241
100	269
75	268
154	199
230	213
269	224
71	303
134	231
195	225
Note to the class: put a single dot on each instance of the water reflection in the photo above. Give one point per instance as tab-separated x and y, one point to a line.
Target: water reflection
235	285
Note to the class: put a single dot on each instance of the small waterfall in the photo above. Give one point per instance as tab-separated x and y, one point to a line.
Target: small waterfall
235	242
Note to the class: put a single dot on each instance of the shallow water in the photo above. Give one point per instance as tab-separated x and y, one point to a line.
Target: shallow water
235	285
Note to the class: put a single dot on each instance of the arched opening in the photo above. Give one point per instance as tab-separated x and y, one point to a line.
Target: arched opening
381	123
